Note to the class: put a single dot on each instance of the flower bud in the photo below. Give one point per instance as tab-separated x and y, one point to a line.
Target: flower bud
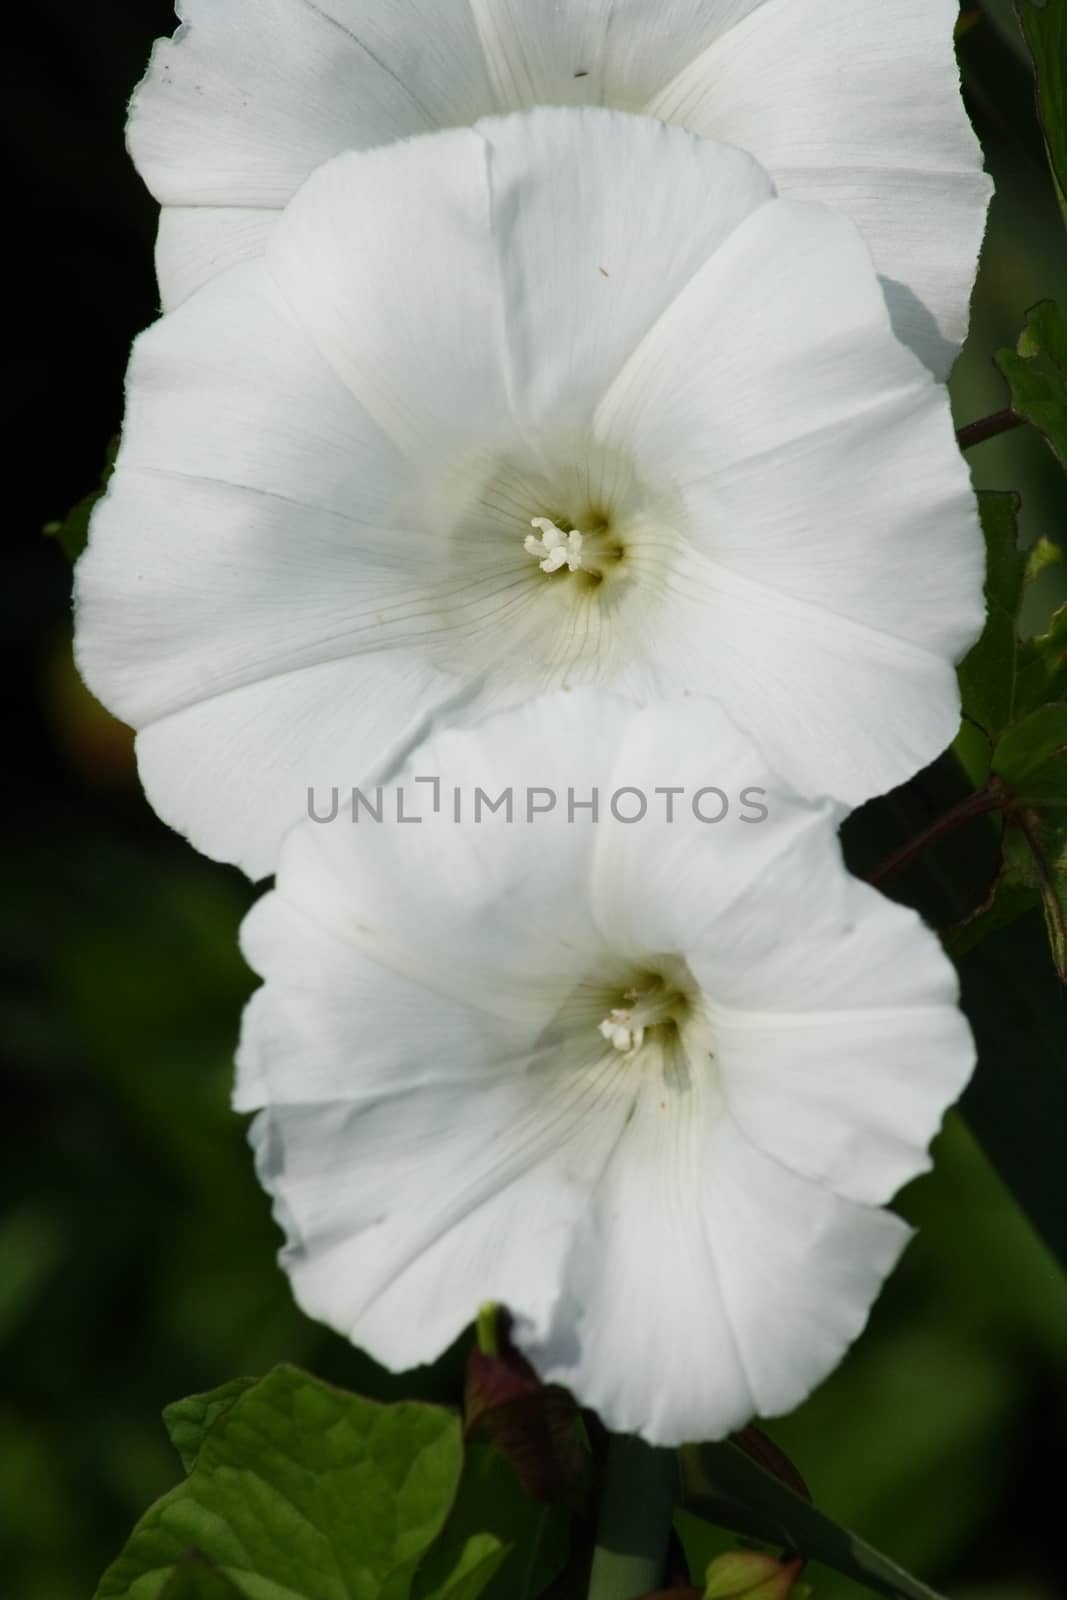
751	1575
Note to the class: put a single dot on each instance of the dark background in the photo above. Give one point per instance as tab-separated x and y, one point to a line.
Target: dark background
136	1251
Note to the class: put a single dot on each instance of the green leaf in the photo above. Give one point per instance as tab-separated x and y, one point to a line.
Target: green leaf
1041	666
1005	676
460	1572
531	1537
302	1492
1043	553
1036	371
1044	25
188	1420
765	1453
1010	688
72	531
1030	759
1032	870
723	1484
1005	903
1016	1103
1031	756
987	673
196	1579
1035	856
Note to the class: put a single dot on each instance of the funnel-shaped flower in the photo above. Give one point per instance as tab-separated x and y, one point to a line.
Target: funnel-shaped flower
851	102
647	1083
568	397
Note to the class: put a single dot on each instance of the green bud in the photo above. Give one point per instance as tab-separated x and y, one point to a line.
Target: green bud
751	1575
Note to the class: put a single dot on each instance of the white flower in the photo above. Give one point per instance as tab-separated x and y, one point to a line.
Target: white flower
851	102
647	1084
317	538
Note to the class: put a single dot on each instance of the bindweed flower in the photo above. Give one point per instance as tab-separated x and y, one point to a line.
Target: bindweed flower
566	398
646	1083
854	103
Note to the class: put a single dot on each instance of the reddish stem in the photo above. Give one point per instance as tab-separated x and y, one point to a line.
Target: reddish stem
973	433
991	798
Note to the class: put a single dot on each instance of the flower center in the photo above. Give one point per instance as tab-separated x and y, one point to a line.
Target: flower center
559	546
555	548
625	1026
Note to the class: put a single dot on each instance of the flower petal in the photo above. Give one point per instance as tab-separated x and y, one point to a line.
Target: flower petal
594	52
428	1139
642	1330
403	1215
705	1282
819	988
385	260
585	273
320	467
252	95
542	315
812	562
471	789
443	1122
800	675
801	1086
247	582
229	390
378	1031
656	884
925	231
263	747
859	107
799	1267
837	1036
196	243
855	103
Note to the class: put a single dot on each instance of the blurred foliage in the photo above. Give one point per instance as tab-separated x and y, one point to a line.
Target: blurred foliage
1013	743
1044	26
136	1249
1036	370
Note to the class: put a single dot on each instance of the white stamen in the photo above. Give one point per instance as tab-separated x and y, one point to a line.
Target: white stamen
556	548
619	1027
625	1026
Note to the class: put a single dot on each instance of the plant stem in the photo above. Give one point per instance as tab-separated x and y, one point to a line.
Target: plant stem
988	427
991	798
634	1528
487	1329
